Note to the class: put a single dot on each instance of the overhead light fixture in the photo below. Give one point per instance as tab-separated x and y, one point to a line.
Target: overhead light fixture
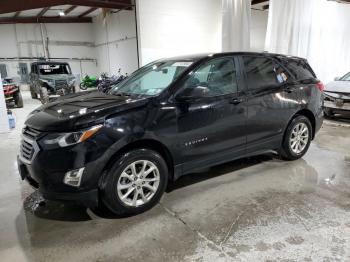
61	13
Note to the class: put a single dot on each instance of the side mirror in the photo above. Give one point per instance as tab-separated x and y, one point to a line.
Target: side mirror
337	78
191	93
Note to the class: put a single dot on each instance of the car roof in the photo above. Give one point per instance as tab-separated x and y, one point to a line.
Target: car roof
197	57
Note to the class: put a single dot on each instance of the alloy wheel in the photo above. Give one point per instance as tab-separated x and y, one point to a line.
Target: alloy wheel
138	183
299	138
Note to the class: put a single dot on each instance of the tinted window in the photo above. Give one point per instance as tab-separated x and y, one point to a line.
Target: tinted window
263	72
300	69
215	77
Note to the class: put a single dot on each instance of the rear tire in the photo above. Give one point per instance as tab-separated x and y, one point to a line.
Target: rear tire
44	95
18	100
297	138
128	179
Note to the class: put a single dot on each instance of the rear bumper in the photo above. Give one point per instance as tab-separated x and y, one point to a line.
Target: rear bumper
318	120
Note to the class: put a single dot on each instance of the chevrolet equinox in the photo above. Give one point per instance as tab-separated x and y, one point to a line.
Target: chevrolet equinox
169	118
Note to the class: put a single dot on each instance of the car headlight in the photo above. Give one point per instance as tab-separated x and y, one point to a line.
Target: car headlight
68	139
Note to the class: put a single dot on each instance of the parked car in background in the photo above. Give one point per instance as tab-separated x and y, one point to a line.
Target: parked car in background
168	119
337	96
12	93
51	79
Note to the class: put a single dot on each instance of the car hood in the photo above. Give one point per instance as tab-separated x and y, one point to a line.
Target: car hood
80	110
338	87
56	77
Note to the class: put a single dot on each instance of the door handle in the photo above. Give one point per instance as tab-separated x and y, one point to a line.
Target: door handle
236	101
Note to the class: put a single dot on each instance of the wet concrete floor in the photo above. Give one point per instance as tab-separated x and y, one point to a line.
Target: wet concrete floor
255	209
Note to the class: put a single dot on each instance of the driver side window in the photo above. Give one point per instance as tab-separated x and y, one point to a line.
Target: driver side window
215	77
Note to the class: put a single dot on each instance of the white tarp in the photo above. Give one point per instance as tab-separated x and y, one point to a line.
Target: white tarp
236	18
315	29
4	124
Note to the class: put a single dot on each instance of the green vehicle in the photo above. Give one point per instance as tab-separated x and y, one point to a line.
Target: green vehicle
88	82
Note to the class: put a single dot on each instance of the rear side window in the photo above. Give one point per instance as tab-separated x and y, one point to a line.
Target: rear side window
263	72
300	69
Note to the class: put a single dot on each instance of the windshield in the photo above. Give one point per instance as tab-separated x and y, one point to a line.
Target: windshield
53	69
151	79
346	77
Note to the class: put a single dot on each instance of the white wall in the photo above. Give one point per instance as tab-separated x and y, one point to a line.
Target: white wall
170	28
115	39
65	41
317	30
258	26
166	28
103	46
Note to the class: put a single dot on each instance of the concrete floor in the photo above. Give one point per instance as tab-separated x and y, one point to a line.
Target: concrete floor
256	209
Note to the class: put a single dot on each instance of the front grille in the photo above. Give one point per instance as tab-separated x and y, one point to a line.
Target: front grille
61	84
29	147
31	133
27	150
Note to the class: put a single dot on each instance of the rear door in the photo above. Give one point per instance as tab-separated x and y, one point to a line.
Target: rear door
270	100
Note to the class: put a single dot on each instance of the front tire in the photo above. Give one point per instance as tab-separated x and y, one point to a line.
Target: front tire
44	95
297	138
82	86
135	183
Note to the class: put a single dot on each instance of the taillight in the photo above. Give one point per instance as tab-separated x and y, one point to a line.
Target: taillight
320	86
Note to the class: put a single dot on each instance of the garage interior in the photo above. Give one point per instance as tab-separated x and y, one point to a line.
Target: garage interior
253	209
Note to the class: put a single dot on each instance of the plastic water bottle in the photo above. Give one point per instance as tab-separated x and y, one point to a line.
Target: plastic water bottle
12	121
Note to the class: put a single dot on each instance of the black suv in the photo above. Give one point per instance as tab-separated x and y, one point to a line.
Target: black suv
169	118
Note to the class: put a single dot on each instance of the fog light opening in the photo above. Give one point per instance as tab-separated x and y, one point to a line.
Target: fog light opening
73	177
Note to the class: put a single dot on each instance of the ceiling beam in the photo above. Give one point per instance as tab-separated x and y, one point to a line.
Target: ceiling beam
30	20
88	11
70	9
255	2
43	11
9	6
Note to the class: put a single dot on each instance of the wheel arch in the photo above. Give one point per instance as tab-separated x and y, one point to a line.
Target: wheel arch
151	144
309	115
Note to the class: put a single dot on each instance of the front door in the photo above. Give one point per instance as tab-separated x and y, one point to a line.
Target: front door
211	120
